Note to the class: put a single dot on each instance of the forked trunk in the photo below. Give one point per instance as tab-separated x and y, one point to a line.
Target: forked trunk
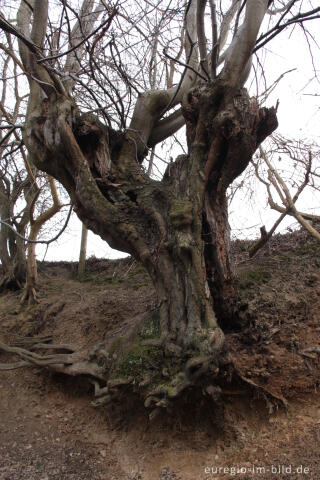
177	227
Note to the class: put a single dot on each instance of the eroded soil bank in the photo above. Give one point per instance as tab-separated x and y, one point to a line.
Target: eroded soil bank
49	429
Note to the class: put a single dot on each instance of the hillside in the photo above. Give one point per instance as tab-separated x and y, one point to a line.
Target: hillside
269	416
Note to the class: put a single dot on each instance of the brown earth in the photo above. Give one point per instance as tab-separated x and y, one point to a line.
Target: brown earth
266	427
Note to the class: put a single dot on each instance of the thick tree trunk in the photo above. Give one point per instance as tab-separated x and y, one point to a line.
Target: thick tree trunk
177	228
14	273
187	319
12	253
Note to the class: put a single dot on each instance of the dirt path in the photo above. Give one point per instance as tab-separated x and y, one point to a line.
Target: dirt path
39	438
58	435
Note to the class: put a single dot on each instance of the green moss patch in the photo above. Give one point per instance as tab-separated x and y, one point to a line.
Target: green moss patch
131	357
138	361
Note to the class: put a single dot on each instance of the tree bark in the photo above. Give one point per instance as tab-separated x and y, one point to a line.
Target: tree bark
227	126
36	224
83	251
178	227
12	248
14	272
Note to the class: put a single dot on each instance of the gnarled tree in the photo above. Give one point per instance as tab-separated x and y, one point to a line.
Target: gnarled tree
21	185
177	227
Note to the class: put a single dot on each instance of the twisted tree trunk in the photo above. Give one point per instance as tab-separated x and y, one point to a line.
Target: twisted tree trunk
177	228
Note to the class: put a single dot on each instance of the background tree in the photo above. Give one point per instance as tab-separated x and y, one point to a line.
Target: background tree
83	251
16	188
36	224
288	190
22	188
177	227
12	248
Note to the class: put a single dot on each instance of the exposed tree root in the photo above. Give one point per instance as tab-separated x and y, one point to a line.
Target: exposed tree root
10	282
118	369
64	360
143	370
29	296
29	341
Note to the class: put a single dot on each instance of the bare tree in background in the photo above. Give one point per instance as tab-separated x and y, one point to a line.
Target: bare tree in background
36	224
177	227
22	188
296	175
83	251
12	248
15	184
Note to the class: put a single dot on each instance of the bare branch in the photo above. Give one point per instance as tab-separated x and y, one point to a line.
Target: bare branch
187	66
43	242
10	127
104	26
278	28
39	24
166	127
243	43
265	238
226	22
286	197
202	41
215	43
285	8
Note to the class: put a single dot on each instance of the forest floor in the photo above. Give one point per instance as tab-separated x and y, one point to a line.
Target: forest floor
267	427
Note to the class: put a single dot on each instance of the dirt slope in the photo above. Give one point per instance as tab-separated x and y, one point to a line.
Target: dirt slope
268	426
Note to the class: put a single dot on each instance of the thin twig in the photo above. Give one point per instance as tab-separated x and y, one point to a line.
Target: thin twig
184	65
